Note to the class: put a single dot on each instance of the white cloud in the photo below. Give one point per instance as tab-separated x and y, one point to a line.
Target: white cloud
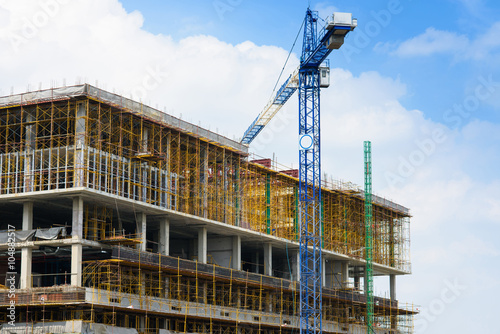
226	86
434	41
474	7
431	42
325	9
486	43
454	253
201	77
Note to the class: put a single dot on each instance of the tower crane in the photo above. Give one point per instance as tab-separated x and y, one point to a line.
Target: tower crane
310	76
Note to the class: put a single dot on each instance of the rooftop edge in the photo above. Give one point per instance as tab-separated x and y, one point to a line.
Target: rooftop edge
119	101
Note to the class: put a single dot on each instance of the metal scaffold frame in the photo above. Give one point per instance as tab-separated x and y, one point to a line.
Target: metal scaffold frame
125	154
85	142
310	185
368	238
139	289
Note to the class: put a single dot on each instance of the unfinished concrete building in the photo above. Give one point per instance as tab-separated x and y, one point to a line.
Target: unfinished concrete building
117	217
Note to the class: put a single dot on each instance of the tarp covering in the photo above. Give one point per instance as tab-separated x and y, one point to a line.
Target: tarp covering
22	236
43	95
48	234
105	329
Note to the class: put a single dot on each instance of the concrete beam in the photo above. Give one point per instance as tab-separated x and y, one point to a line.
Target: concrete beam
202	245
164	237
236	256
177	218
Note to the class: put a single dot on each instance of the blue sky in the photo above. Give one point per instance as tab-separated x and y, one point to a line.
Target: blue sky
277	23
422	83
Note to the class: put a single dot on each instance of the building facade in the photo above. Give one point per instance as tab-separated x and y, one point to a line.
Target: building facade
118	217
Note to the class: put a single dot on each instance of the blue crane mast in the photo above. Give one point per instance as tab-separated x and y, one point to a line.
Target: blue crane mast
308	79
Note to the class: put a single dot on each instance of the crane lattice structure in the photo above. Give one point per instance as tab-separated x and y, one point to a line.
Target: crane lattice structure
368	238
308	79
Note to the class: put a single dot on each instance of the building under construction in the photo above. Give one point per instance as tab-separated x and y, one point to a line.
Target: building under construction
118	218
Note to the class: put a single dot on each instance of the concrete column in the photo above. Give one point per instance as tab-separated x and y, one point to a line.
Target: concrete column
336	280
202	292
392	287
236	256
238	297
257	263
269	302
268	259
356	283
77	223
140	222
145	140
204	181
27	216
80	132
167	288
30	145
144	177
76	265
296	266
331	272
164	237
344	273
26	253
26	264
392	292
323	271
76	249
142	324
202	245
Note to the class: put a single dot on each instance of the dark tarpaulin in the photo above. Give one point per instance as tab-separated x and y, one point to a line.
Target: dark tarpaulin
48	234
22	236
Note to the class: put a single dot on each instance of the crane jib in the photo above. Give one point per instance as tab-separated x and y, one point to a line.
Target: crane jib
281	97
322	50
331	37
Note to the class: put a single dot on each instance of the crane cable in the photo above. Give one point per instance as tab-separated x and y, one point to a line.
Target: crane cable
287	58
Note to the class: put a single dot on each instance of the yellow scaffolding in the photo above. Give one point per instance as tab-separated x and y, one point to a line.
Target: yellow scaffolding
137	294
86	142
